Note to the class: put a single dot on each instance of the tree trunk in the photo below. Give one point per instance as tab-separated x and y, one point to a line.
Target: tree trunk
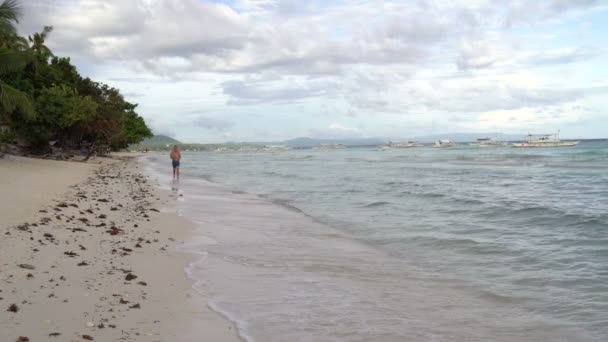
91	151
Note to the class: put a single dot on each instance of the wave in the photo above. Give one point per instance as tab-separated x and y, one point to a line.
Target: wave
285	203
499	298
421	194
376	204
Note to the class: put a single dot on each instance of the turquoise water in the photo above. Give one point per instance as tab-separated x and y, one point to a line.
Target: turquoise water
518	235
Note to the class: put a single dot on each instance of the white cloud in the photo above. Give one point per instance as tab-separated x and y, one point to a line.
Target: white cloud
430	61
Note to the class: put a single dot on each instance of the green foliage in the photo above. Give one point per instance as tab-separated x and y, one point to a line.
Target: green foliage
7	136
133	131
44	99
13	101
9	15
63	108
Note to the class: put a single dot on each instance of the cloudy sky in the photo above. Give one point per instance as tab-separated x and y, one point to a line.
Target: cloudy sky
245	70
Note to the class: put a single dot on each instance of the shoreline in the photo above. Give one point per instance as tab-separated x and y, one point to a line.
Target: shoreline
93	251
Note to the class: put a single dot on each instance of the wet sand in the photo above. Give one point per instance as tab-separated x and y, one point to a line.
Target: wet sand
87	254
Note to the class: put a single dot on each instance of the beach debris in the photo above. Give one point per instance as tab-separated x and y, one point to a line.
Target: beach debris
62	205
130	277
30	276
123	301
100	326
70	254
13	308
24	227
27	266
138	245
102	216
90	324
82	248
88	337
142	283
54	334
83	263
154	209
114	230
83	219
135	306
22	339
103	200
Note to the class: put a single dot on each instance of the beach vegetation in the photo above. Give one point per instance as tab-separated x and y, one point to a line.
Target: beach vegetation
45	102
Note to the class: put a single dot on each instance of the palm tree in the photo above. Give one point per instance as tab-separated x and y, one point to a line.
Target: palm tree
37	44
11	99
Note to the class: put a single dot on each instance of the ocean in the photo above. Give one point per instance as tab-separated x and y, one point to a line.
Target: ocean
420	244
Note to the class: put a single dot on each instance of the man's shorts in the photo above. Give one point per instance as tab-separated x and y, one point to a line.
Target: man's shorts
175	163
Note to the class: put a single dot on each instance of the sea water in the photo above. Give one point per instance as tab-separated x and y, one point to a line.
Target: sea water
420	244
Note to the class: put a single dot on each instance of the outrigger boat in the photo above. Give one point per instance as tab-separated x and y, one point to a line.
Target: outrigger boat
409	144
487	142
544	140
443	143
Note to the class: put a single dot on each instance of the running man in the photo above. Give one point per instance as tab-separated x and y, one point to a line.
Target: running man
176	156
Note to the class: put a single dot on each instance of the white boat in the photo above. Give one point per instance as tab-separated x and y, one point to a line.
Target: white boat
487	142
544	140
442	143
409	144
275	148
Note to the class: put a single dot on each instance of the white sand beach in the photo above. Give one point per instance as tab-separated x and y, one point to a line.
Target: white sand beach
87	254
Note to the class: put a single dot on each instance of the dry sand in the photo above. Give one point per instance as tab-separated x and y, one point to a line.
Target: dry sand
85	254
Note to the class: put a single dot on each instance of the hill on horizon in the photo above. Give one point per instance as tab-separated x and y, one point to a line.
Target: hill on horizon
160	140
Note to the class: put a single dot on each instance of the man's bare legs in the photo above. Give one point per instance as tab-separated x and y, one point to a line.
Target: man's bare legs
176	171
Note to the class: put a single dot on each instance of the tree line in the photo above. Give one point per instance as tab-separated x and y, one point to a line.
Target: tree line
45	102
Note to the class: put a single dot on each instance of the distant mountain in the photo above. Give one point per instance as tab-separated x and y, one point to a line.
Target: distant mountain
305	142
160	140
311	142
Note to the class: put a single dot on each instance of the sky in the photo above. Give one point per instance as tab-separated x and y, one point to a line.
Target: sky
267	70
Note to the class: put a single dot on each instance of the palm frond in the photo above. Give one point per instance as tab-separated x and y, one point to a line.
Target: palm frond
13	100
10	11
9	15
11	60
